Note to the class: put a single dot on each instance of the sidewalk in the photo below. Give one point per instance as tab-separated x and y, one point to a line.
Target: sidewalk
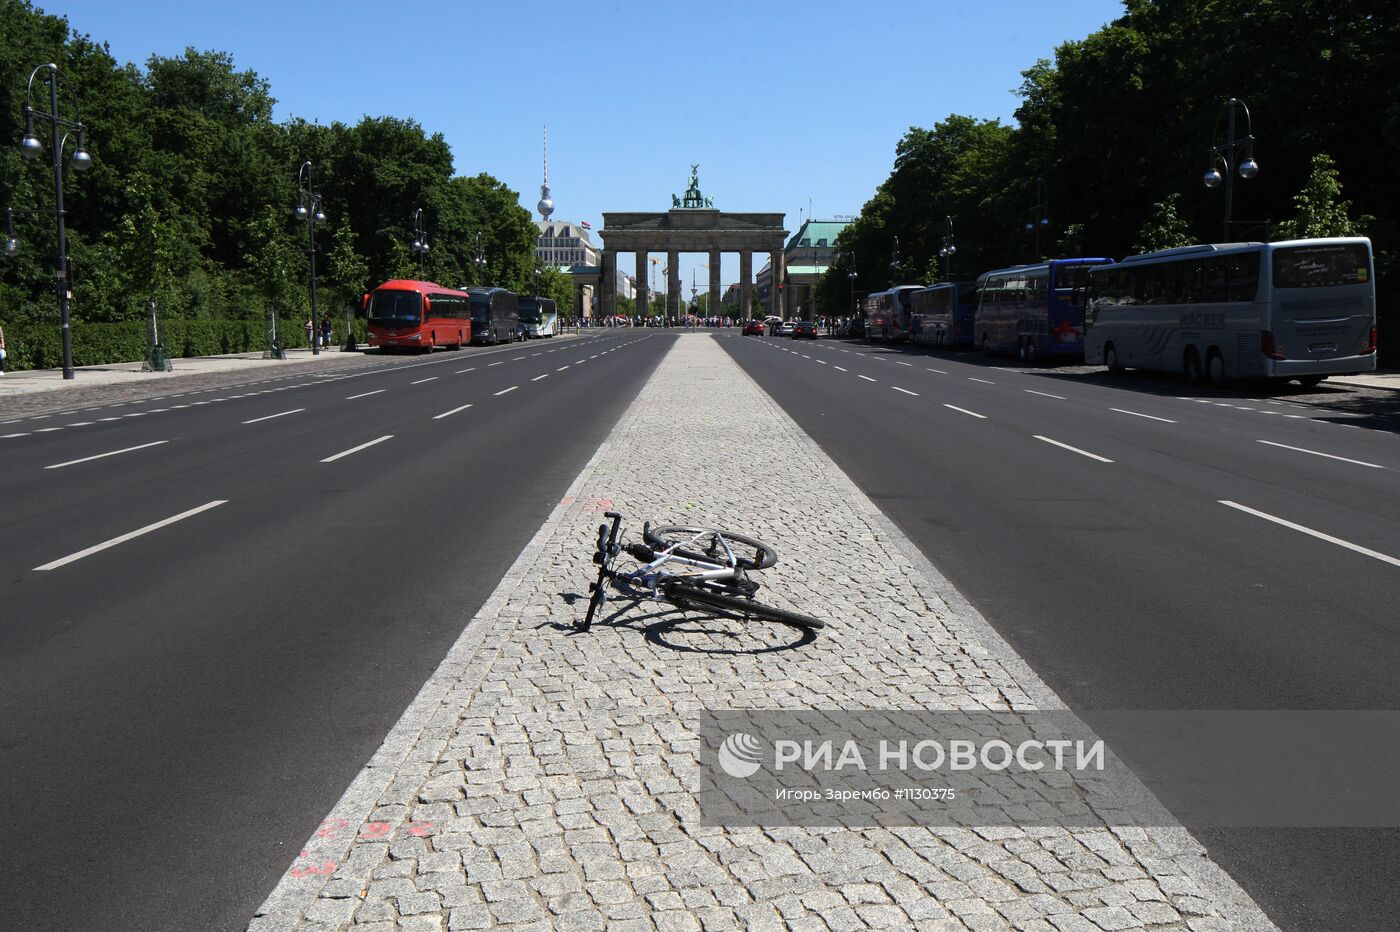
1381	378
29	381
545	779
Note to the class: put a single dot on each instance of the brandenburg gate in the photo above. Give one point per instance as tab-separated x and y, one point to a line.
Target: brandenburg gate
691	225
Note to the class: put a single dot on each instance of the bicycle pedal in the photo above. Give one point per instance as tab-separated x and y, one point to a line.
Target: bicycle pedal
592	588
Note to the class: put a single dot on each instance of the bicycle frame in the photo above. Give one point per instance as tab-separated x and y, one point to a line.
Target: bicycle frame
651	576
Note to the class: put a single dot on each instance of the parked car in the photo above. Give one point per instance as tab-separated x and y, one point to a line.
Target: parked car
753	327
804	329
785	329
856	328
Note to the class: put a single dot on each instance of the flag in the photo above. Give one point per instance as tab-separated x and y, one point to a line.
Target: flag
586	225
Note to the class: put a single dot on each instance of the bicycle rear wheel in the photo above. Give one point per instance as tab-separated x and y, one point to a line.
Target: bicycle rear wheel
696	597
751	553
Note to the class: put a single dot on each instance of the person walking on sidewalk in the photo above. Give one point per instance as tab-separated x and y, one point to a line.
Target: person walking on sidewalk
2	349
327	330
310	331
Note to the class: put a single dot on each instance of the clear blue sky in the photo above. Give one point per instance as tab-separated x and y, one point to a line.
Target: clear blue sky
781	103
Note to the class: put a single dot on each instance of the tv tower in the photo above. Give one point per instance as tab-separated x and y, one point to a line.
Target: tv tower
546	204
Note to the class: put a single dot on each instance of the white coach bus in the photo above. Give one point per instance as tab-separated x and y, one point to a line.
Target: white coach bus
1301	309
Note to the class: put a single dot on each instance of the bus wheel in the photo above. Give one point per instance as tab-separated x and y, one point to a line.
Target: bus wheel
1110	359
1191	367
1215	369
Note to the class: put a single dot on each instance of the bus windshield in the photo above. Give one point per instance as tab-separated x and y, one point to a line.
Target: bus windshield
396	308
481	310
1321	266
529	311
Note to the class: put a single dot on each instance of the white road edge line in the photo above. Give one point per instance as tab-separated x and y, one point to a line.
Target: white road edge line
363	446
365	394
905	390
965	411
1044	394
1150	417
504	390
438	417
1316	453
131	535
271	416
88	459
1065	446
1307	530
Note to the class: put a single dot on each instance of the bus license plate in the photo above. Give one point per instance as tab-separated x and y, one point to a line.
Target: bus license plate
1323	347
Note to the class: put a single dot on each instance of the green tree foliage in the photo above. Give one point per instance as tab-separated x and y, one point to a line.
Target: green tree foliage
1321	210
191	193
1163	228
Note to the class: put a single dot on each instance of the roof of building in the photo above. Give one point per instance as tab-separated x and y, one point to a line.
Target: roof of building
805	269
816	233
562	229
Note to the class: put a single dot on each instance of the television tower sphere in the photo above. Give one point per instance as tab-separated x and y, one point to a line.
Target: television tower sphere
546	204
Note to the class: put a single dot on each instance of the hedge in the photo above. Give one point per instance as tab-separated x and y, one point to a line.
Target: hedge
41	347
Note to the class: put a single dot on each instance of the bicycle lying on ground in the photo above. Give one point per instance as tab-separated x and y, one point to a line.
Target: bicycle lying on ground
715	575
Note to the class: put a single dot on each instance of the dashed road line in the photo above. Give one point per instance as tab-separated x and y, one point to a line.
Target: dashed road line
130	535
561	368
271	416
1150	417
1330	456
99	456
905	390
364	446
965	411
1044	394
538	377
1384	558
939	371
438	417
507	390
839	369
983	381
1065	446
866	377
421	381
377	391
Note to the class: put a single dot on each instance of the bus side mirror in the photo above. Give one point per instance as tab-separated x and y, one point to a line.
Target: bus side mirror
427	305
364	302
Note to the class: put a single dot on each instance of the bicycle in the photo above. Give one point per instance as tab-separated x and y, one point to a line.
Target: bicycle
721	561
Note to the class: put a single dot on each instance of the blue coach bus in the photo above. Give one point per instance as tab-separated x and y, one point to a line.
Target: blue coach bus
944	314
495	316
1034	311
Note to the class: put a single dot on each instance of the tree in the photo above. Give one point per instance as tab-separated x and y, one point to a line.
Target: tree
1320	209
1163	228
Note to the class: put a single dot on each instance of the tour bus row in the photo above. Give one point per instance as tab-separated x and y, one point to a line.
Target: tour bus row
405	314
1302	309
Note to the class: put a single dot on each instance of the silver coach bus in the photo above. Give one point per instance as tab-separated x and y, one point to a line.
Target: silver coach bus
1301	309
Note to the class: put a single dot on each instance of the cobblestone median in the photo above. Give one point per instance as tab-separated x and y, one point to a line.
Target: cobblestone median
546	780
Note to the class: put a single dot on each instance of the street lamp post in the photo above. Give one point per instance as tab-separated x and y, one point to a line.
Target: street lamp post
419	246
1229	154
479	260
31	147
894	258
853	285
309	209
1038	214
949	249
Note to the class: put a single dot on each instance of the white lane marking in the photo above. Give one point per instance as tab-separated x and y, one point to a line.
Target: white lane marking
363	446
538	377
1296	417
533	355
26	433
867	378
561	368
131	535
1316	453
421	381
99	456
909	364
438	417
1150	417
983	381
86	423
270	416
365	394
1065	446
939	371
49	430
905	390
460	371
118	419
1045	394
822	361
1307	530
840	369
505	390
845	351
517	358
579	362
490	364
965	411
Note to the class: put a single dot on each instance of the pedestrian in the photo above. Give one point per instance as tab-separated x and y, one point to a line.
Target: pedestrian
2	350
310	332
327	331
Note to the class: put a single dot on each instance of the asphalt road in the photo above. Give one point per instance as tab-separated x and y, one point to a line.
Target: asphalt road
174	708
1126	537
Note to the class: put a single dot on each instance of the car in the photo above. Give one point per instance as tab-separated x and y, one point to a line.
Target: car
804	329
752	327
856	328
785	329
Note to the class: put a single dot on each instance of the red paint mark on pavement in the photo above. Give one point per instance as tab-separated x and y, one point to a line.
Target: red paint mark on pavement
322	868
421	829
375	830
331	827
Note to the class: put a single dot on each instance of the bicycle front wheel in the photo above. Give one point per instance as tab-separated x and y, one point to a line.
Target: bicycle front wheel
696	597
702	543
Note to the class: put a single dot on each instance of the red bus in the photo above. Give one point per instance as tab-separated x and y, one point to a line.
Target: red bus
418	315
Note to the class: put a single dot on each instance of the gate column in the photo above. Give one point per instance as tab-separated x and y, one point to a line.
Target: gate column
643	294
712	308
746	284
607	301
673	283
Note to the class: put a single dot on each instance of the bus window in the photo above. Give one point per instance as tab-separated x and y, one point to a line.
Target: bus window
1244	276
395	307
1321	266
1216	275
